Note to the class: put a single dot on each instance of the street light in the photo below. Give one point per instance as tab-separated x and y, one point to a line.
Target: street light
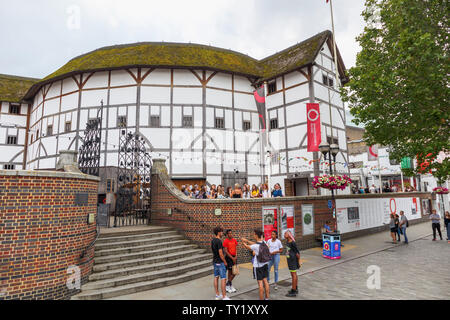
332	150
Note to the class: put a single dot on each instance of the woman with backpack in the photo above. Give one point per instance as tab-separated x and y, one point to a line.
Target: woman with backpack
260	261
293	261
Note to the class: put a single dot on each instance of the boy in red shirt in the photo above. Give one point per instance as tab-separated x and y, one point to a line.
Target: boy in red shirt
230	250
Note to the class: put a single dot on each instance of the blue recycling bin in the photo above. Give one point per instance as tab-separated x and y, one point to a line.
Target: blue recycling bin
331	245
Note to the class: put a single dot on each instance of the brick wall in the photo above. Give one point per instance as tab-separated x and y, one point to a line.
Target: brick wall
43	232
196	219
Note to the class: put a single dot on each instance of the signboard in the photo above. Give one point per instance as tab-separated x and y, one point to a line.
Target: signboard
372	153
330	204
287	219
270	221
359	214
307	219
313	126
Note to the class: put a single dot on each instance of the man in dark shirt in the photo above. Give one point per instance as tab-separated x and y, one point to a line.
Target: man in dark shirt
219	263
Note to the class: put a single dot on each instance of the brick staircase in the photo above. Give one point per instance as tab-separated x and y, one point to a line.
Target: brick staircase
138	260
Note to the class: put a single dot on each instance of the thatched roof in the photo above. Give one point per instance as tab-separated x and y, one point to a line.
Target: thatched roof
182	55
13	88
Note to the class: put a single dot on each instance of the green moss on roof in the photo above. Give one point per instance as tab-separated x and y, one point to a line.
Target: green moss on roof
13	88
190	55
161	54
293	57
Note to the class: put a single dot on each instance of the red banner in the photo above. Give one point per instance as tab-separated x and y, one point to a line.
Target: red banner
313	123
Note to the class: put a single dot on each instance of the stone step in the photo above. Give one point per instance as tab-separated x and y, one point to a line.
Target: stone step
110	274
147	276
149	230
153	259
135	243
142	286
136	237
108	252
143	254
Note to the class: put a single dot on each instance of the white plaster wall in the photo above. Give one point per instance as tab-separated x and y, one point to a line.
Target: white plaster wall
155	94
187	95
219	98
157	76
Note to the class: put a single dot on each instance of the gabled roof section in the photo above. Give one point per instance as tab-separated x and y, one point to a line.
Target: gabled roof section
13	88
294	57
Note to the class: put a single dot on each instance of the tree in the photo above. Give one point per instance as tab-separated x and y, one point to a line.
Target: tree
399	88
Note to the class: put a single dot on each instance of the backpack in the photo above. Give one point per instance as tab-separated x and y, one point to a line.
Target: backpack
407	222
263	253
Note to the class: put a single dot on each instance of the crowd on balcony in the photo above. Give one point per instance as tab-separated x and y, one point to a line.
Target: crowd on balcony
220	192
386	188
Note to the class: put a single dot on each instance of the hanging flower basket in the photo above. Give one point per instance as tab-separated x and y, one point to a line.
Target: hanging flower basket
440	190
333	182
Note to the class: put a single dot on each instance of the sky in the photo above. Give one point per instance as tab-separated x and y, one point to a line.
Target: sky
38	37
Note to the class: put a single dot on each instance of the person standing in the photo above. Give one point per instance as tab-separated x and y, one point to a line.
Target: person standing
403	224
293	261
264	191
275	248
447	224
260	262
237	192
219	263
435	223
230	247
277	192
393	228
399	230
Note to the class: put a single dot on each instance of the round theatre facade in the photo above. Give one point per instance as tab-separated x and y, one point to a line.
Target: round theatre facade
203	120
194	106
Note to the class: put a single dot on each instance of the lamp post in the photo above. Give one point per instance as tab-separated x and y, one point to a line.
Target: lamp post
331	151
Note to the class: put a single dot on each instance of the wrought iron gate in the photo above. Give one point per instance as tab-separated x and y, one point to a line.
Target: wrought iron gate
133	181
89	152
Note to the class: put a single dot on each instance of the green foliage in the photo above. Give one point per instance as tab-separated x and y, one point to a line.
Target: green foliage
399	88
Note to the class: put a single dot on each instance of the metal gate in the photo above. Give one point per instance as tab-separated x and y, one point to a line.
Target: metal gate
89	152
133	181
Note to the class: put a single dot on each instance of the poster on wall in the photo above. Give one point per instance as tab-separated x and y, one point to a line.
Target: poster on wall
270	221
287	219
367	213
307	219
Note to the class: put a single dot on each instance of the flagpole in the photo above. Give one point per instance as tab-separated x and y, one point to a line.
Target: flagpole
334	42
379	172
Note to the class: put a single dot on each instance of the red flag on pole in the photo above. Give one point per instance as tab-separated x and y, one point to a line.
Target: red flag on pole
313	125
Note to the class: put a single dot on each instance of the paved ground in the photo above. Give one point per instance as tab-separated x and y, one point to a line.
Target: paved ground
423	267
419	270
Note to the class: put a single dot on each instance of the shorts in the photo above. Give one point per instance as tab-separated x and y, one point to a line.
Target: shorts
262	272
230	263
293	265
394	229
220	270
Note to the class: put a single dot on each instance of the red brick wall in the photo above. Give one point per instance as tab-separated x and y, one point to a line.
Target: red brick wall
197	219
42	233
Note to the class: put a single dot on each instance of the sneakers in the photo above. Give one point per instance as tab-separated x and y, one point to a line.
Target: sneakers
228	289
233	289
292	293
226	298
219	297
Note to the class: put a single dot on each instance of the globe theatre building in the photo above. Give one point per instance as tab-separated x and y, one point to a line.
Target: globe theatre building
194	106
